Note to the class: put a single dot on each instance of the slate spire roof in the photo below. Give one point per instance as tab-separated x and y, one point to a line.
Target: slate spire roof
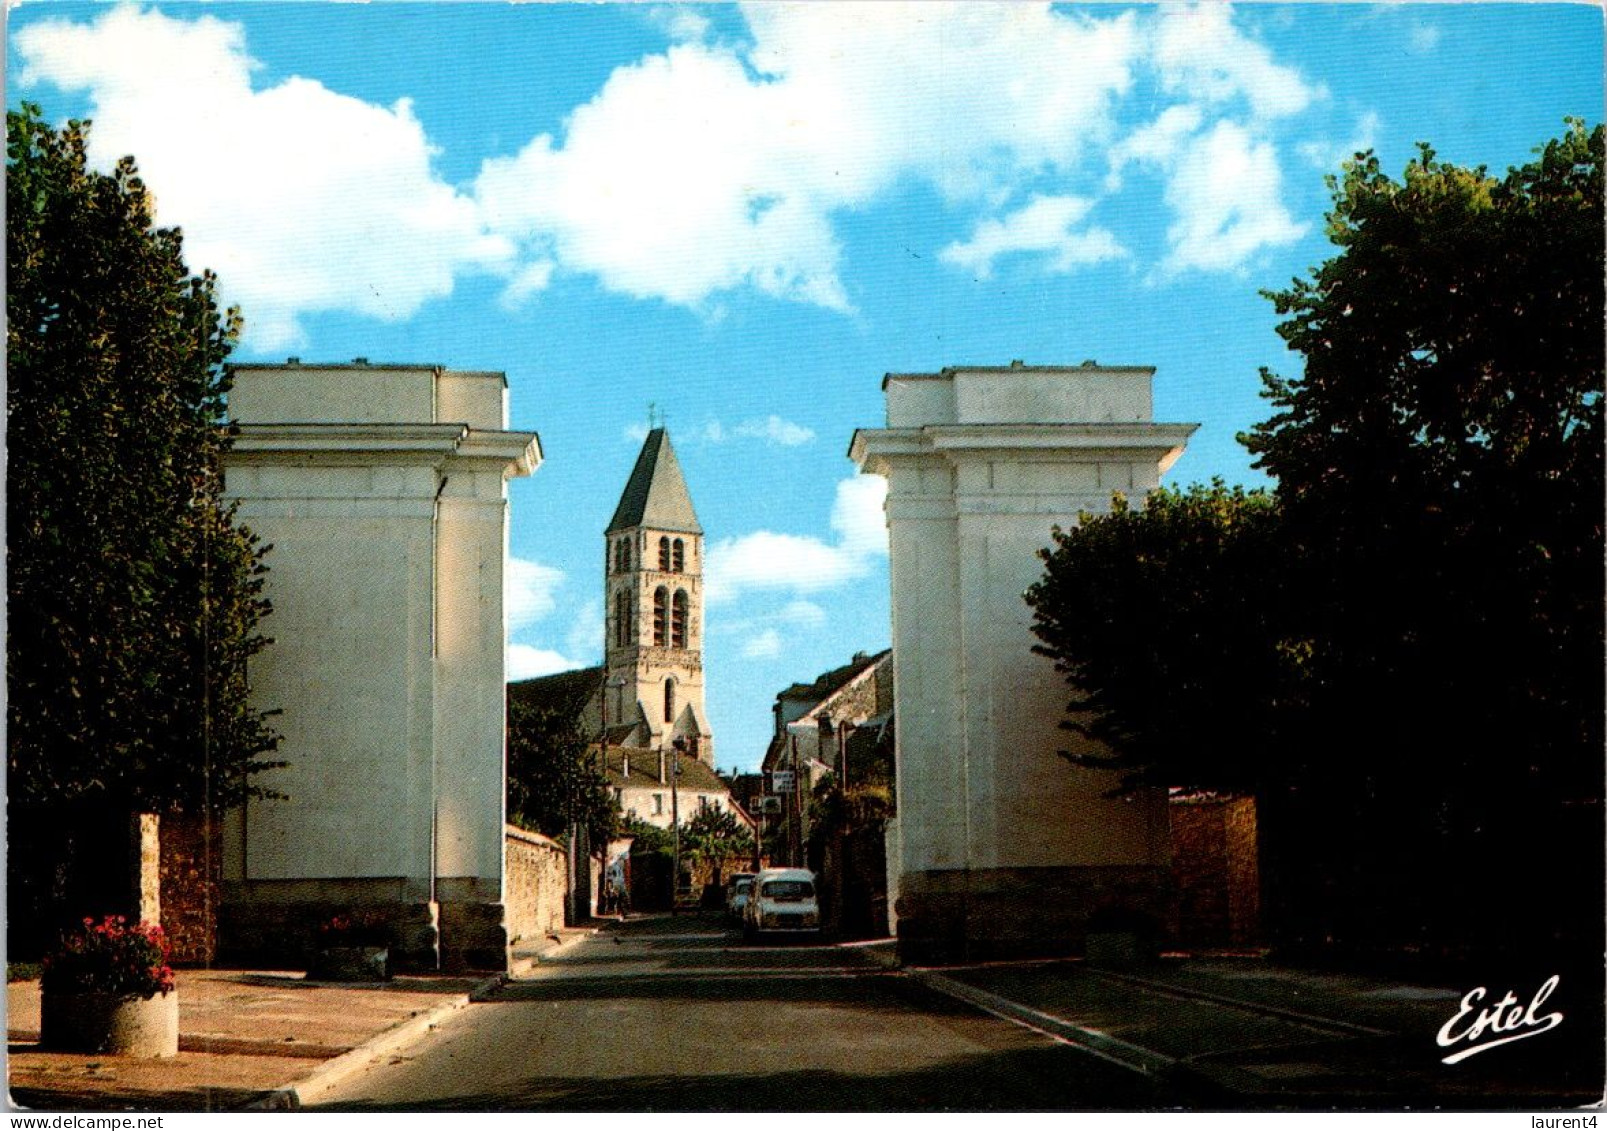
656	495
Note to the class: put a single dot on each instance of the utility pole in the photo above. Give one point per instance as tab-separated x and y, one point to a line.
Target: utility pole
675	821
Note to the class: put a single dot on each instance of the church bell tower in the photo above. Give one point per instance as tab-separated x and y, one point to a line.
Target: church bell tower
654	608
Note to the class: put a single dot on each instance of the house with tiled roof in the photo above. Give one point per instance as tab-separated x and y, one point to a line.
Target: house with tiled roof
814	720
641	780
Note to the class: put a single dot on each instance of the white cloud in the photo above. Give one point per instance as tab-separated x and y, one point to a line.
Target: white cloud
525	662
527	591
1155	144
1423	38
765	560
775	430
1043	225
689	175
858	515
585	635
680	22
763	646
1226	194
1203	56
636	433
803	614
705	169
302	199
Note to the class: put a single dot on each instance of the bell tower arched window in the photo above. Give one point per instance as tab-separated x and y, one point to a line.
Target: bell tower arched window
664	554
679	615
678	556
669	700
661	616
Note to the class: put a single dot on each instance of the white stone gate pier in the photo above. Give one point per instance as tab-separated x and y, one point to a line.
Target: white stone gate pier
382	490
1004	849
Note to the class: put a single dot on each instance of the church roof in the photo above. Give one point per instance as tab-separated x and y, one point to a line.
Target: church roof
565	692
656	495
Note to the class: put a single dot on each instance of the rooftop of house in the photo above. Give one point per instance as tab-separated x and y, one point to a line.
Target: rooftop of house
828	683
696	777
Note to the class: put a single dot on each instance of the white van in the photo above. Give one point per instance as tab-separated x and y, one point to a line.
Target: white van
782	902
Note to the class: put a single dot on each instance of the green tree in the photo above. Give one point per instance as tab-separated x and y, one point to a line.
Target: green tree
715	834
133	598
1400	650
1439	463
553	778
1167	622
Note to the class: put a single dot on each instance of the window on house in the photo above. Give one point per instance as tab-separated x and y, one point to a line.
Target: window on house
658	804
678	620
661	615
678	556
664	554
669	700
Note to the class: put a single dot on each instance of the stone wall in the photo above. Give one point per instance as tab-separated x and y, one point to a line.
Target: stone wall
1214	871
537	874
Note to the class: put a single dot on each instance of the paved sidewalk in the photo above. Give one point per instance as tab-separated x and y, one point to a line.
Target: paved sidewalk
1236	1033
246	1039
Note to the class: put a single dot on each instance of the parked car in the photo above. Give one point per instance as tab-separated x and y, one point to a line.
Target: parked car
782	902
736	894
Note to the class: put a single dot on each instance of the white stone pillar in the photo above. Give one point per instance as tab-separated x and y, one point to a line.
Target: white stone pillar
383	493
1004	847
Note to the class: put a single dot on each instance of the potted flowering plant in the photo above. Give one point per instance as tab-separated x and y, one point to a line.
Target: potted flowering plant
351	947
108	988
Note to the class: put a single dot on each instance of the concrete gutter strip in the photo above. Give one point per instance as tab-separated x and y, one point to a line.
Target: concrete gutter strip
1310	1021
1103	1045
292	1097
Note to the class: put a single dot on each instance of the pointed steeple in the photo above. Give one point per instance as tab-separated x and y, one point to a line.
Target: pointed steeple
656	495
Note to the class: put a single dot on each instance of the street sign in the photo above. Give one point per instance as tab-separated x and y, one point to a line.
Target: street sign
781	781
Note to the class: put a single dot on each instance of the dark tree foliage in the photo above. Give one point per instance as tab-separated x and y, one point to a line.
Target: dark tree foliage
553	778
1401	650
133	599
1439	464
1168	624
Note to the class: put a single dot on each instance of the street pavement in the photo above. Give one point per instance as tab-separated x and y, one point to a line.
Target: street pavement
677	1014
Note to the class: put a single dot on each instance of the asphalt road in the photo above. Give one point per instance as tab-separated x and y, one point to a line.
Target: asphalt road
680	1015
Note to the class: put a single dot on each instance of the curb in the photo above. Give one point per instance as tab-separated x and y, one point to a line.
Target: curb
294	1096
525	964
1134	1058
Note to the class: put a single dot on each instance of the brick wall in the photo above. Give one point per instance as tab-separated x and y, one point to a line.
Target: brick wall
1214	871
537	874
190	866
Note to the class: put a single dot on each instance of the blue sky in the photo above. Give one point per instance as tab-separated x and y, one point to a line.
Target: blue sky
747	216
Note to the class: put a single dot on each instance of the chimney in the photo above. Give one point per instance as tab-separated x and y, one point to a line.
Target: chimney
660	765
625	762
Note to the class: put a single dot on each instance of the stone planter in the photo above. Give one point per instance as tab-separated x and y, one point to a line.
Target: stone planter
351	964
110	1025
